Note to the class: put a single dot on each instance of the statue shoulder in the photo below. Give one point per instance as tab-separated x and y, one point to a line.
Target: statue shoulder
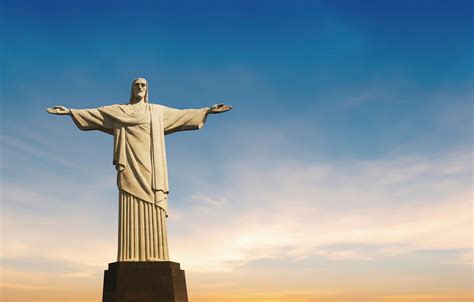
115	111
156	105
114	106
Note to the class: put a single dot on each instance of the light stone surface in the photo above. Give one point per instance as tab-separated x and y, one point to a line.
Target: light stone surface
140	160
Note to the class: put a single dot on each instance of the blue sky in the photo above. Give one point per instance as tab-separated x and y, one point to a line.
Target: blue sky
343	110
358	70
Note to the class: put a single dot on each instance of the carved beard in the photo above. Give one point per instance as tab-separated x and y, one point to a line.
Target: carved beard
140	95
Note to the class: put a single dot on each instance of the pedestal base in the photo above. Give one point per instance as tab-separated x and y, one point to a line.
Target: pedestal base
160	281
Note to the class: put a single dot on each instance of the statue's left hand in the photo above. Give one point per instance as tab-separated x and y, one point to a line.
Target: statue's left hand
219	108
60	110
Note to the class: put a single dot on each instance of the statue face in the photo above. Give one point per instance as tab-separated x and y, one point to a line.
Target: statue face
139	89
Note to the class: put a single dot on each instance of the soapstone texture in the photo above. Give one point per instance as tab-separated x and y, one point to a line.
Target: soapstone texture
139	157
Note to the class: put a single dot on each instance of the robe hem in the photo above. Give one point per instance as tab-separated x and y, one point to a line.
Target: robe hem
156	203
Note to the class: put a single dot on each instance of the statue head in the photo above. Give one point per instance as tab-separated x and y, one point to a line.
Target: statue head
139	91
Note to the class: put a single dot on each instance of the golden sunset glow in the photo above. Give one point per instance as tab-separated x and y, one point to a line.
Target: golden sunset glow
343	173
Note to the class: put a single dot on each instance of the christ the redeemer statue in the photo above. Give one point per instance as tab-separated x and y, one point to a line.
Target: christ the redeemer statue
140	160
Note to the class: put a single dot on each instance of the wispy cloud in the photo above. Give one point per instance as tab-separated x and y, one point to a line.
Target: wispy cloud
34	145
292	210
267	204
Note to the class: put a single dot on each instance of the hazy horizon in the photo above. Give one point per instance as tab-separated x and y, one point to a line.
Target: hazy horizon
343	173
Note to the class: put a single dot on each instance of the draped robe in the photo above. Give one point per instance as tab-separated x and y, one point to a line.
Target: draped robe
142	176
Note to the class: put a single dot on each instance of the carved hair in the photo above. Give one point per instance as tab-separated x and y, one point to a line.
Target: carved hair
132	93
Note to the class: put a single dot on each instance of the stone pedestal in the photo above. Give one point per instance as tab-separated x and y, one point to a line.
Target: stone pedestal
160	281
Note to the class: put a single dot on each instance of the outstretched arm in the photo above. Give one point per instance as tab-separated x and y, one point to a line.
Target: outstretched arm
188	119
86	119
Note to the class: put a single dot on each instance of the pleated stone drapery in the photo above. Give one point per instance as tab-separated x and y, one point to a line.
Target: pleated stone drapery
140	161
142	230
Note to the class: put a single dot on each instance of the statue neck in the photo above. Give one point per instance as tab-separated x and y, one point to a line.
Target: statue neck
140	101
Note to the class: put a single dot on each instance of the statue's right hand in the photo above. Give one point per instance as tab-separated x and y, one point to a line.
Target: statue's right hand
60	110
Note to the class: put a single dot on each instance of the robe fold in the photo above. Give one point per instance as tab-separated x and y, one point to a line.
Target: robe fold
140	161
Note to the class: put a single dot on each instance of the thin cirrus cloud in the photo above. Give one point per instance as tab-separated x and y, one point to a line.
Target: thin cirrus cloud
292	210
266	204
344	173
